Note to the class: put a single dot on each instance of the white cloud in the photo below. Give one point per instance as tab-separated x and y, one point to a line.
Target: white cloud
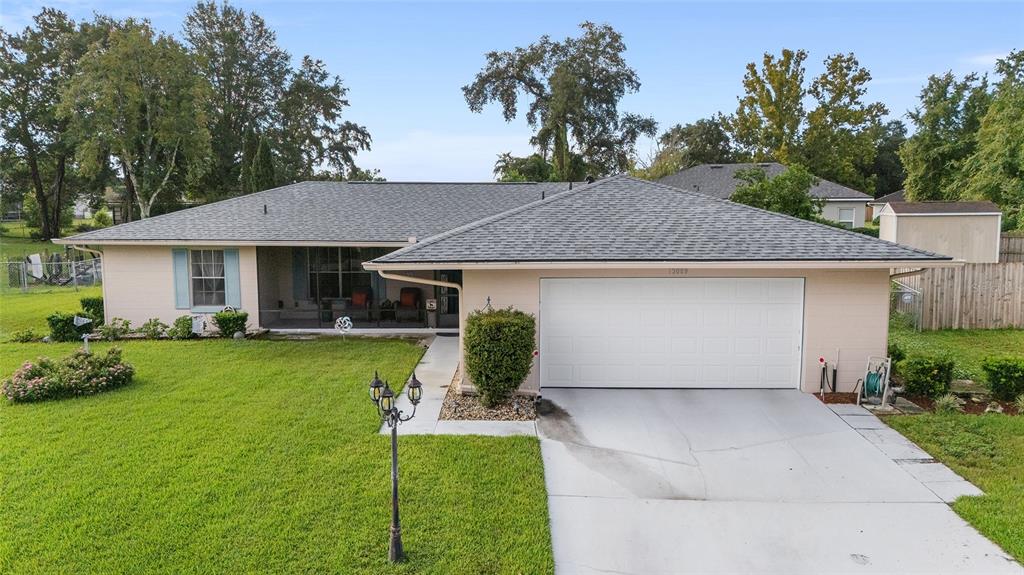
984	61
422	155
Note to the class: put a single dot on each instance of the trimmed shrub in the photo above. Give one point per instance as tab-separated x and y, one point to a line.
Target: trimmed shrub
153	328
94	307
896	353
947	405
499	348
117	329
228	322
25	336
873	232
81	373
62	327
1005	376
102	219
926	375
182	328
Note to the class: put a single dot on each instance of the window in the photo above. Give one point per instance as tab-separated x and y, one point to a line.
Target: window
846	216
207	277
335	272
324	281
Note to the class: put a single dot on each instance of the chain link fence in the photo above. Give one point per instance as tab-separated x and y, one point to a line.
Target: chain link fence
906	305
34	274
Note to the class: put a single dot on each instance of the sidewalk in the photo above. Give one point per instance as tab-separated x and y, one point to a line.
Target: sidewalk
435	371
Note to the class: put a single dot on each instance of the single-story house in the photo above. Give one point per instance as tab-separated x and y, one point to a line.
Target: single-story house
844	205
969	231
633	283
875	205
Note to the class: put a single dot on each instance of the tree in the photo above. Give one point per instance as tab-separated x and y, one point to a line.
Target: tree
839	142
705	141
574	87
787	193
946	125
995	170
532	168
888	169
36	149
238	55
262	173
140	103
310	133
250	145
767	122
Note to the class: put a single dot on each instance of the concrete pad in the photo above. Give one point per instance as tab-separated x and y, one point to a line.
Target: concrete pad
927	472
847	409
903	451
638	536
496	428
737	481
864	422
949	491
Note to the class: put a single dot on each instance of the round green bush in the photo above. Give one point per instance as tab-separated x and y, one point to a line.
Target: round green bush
1005	376
62	326
182	328
94	307
499	348
229	322
926	376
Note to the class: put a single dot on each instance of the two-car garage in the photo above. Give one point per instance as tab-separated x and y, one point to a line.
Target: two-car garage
673	332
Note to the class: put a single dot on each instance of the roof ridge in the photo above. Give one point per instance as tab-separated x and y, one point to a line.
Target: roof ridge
491	219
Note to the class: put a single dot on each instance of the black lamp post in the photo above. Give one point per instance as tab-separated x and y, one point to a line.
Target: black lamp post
384	398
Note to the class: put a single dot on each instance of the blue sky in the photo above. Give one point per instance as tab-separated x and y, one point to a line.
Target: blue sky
405	62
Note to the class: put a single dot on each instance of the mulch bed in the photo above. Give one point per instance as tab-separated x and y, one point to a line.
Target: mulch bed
969	407
838	397
468	407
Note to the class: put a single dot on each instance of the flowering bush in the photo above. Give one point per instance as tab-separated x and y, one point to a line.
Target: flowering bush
81	373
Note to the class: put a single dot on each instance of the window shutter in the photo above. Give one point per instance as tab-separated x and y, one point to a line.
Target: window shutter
232	287
300	278
181	283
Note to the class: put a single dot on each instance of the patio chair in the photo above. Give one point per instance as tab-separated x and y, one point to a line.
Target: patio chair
408	304
362	300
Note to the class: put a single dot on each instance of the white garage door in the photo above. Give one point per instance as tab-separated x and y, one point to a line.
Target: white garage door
671	332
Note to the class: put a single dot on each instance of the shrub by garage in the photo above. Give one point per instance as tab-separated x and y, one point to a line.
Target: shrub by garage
927	376
1005	377
499	348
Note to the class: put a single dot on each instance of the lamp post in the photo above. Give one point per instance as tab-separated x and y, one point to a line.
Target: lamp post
384	398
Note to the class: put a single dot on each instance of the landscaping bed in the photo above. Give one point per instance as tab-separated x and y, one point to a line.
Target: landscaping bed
458	406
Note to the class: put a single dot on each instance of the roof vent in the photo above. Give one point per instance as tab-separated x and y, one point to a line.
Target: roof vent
412	239
716	166
264	209
765	165
590	179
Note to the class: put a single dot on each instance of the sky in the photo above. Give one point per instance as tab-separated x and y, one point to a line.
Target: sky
404	63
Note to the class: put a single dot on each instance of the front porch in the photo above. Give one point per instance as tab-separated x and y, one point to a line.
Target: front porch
308	288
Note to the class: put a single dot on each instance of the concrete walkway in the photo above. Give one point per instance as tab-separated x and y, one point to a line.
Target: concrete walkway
435	371
741	481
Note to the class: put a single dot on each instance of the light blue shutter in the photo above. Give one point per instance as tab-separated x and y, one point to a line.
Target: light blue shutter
299	277
232	289
180	257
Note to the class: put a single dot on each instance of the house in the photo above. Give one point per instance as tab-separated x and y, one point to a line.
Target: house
842	204
874	206
969	231
634	283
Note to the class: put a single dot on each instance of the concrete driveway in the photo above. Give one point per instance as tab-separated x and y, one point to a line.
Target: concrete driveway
737	481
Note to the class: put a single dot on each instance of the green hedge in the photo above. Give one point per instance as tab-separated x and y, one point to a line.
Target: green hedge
230	322
1005	377
62	327
94	307
499	348
926	375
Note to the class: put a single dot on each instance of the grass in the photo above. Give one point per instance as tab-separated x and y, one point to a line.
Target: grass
988	450
255	456
968	347
19	311
16	243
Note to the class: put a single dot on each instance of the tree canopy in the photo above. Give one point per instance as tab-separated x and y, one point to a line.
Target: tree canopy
573	88
787	193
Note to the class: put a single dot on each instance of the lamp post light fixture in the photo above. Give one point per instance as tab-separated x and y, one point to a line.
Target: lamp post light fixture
384	398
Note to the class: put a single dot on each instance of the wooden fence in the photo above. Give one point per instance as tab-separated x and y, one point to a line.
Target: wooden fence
975	296
1011	248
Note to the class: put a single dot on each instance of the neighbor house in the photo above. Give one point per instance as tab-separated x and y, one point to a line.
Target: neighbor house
633	283
844	205
969	231
875	205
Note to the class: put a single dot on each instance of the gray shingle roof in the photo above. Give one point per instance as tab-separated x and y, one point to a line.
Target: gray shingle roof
916	208
719	180
626	219
331	212
897	196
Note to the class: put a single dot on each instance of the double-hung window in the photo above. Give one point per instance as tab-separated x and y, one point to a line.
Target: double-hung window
846	217
207	267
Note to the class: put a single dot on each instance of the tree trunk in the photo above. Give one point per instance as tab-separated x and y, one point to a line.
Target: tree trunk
42	201
128	209
58	195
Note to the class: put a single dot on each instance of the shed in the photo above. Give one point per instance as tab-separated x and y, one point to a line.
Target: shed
967	231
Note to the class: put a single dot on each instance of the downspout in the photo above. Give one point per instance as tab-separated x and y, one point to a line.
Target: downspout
906	274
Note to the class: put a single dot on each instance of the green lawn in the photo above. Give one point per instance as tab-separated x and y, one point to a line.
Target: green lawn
20	311
255	456
968	347
988	450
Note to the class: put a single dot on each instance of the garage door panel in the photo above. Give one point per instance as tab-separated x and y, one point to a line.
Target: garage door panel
671	332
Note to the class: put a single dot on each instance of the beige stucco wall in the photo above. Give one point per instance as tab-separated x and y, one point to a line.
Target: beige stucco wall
138	283
974	239
844	309
887	226
831	211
